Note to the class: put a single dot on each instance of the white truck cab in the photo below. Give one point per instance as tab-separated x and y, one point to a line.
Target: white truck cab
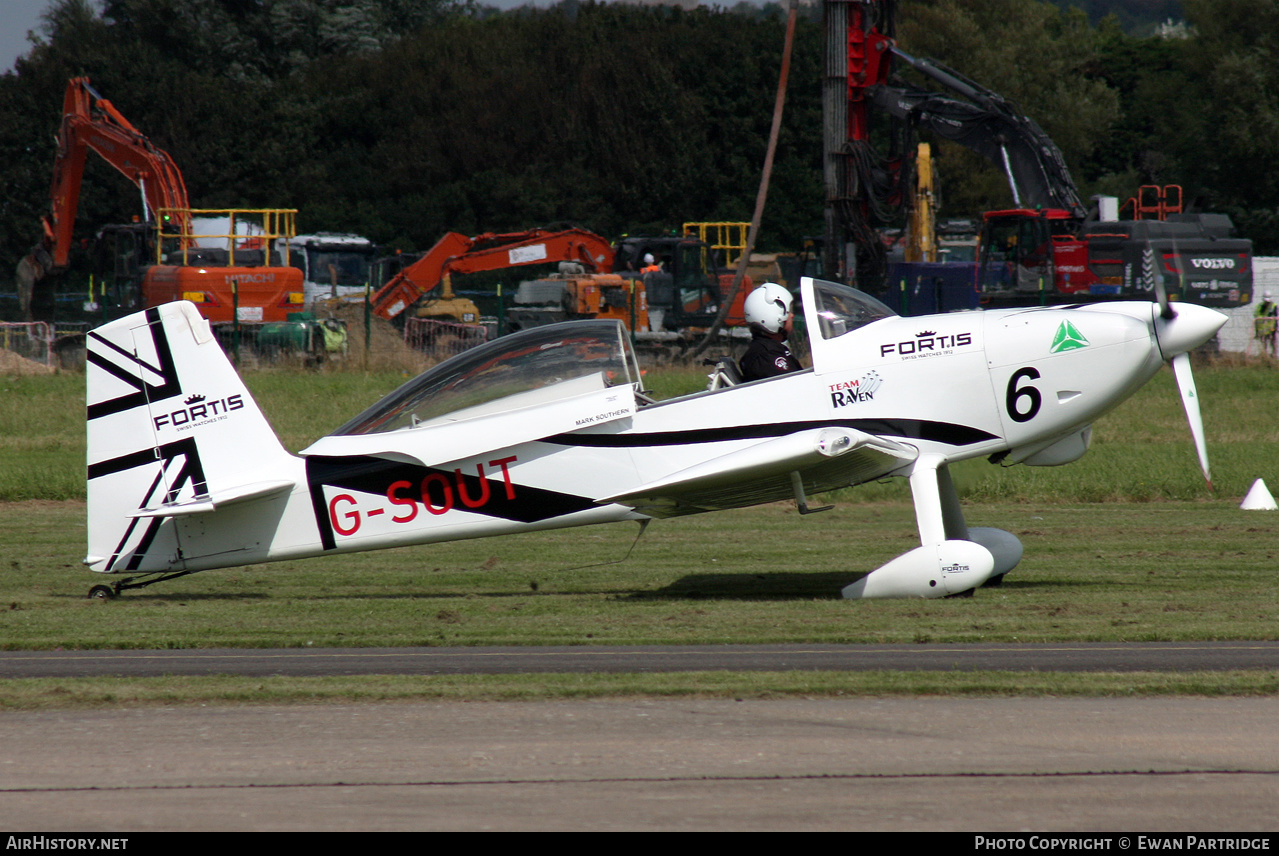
333	265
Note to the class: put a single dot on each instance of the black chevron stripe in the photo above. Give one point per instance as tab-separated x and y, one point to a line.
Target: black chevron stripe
910	429
170	386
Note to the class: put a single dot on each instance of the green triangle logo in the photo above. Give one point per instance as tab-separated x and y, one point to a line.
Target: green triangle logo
1068	339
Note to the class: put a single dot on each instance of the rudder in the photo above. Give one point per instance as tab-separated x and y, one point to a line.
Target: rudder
172	430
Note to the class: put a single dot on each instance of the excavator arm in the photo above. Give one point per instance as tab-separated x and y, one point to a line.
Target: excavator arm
91	122
991	126
865	185
456	253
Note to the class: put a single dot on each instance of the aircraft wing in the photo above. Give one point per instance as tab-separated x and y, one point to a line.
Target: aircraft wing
824	458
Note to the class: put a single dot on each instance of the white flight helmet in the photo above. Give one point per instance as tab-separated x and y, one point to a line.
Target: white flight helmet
768	305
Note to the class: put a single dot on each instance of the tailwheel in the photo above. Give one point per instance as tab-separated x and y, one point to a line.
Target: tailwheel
102	593
111	592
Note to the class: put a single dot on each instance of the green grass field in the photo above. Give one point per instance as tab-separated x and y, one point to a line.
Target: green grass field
1126	544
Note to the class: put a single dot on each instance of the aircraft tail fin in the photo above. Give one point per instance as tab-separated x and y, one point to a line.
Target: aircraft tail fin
172	431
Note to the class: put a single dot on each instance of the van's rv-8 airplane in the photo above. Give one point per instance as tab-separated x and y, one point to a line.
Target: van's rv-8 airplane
551	428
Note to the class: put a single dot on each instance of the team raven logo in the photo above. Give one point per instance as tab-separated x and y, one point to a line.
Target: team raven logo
849	392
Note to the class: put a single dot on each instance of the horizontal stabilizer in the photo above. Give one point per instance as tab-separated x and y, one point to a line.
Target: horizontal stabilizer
213	501
826	459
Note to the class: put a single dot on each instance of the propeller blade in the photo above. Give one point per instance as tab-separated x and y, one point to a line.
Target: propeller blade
1190	400
1155	278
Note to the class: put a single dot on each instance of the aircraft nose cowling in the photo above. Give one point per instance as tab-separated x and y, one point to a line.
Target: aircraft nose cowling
1188	329
933	570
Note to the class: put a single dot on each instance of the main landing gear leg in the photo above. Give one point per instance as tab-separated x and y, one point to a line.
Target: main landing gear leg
951	559
1004	546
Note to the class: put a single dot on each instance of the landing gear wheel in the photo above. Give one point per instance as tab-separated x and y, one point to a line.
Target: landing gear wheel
102	593
996	580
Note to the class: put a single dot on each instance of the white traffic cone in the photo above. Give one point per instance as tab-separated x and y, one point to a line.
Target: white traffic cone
1258	498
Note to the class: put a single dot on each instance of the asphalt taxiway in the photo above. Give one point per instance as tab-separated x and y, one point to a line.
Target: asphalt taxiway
981	764
910	764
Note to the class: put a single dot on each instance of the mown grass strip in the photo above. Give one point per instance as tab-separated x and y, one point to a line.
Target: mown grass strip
33	694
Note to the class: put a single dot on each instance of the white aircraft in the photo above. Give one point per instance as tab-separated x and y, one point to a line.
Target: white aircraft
551	428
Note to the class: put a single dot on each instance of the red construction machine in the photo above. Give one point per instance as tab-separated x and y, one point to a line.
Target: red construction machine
226	267
1049	247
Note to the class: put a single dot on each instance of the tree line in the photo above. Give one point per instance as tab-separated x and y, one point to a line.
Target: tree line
405	119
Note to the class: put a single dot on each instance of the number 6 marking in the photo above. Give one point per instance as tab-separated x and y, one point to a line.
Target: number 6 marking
1031	396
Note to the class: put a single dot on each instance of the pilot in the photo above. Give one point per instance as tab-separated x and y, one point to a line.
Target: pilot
768	313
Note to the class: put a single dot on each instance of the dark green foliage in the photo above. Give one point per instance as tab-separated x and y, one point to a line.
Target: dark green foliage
404	119
1137	17
609	117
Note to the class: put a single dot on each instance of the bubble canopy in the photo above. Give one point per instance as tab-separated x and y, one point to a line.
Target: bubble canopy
531	366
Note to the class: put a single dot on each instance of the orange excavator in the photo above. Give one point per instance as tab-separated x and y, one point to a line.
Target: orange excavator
228	283
416	285
662	287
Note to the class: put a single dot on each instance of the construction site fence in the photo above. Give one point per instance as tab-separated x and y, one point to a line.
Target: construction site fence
443	338
31	340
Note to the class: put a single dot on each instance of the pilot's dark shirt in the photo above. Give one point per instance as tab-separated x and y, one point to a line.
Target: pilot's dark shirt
767	358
